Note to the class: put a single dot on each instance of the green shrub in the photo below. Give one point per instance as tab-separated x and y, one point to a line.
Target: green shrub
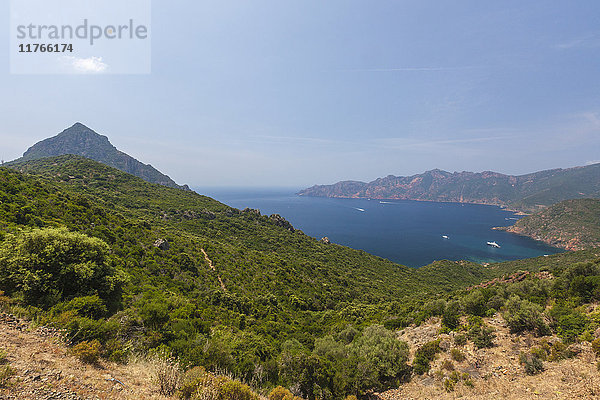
424	355
482	336
87	352
6	372
522	315
51	265
457	355
281	393
532	364
474	303
382	353
449	385
87	306
596	346
448	365
460	339
235	390
568	322
197	384
451	316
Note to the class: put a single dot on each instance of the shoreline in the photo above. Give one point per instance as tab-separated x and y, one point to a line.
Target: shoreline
502	206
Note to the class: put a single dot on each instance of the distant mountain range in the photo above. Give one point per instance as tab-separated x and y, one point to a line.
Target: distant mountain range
83	141
528	193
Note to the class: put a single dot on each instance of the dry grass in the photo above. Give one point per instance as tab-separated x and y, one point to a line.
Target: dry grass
42	365
496	372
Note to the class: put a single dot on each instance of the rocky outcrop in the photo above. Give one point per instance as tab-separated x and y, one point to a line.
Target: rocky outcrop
325	240
162	244
278	220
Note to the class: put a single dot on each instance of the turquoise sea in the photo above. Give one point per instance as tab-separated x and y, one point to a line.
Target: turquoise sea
404	231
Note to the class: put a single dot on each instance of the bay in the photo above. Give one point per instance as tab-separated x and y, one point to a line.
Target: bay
404	231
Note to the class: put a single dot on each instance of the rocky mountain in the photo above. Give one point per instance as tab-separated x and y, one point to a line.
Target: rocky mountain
83	141
570	224
528	192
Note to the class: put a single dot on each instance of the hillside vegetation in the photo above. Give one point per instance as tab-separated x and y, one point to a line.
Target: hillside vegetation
125	266
528	192
571	224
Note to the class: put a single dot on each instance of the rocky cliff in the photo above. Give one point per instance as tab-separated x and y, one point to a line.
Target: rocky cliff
529	192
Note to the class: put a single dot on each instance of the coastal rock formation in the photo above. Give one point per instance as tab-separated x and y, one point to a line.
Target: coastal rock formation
571	225
529	192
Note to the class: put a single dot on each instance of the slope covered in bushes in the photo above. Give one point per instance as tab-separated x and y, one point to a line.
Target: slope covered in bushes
142	267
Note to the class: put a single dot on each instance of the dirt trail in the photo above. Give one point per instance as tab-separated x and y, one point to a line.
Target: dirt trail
212	266
44	369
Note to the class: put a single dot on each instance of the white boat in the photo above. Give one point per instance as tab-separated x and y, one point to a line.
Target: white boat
493	244
445	236
360	209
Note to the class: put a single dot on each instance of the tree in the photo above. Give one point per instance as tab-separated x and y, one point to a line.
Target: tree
47	266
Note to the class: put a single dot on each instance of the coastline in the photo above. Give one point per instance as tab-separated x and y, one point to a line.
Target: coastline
502	206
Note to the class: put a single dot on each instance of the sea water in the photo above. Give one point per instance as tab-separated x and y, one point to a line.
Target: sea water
404	231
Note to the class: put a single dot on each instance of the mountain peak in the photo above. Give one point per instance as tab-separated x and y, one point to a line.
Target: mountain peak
83	141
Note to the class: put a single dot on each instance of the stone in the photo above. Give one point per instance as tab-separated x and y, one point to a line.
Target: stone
162	244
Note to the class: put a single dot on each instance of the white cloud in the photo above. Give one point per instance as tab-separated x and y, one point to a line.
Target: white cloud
592	162
412	69
90	65
587	42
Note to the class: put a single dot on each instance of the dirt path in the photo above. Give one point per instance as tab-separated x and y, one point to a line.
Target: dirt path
44	369
212	266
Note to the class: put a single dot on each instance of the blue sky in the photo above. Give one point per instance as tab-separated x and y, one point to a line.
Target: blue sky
293	93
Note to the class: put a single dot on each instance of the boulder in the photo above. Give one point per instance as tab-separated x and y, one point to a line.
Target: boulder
162	244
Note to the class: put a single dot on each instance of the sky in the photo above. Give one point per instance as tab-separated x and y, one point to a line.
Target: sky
301	92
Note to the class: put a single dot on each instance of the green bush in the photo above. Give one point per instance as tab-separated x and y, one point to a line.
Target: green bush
474	303
448	365
568	322
482	336
6	372
281	393
87	352
424	355
383	353
460	339
457	355
596	346
451	316
87	306
522	315
51	265
532	364
197	384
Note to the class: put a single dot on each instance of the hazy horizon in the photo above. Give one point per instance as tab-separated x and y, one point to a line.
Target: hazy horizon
297	93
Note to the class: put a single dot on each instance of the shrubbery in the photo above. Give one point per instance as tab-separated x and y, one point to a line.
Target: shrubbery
87	352
424	356
47	266
522	315
532	363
